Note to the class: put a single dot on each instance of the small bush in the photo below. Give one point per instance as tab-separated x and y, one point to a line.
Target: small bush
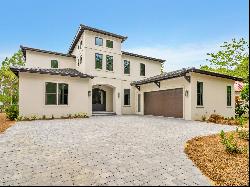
44	117
19	118
12	112
243	134
230	143
52	117
203	118
33	117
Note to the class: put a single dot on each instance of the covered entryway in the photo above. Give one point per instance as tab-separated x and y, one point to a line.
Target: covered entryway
98	99
102	98
168	103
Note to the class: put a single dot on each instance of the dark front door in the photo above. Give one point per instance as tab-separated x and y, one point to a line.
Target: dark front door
167	103
98	100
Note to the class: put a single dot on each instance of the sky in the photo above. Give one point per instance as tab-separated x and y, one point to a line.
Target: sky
181	32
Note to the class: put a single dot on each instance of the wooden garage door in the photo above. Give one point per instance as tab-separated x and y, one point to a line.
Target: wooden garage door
167	103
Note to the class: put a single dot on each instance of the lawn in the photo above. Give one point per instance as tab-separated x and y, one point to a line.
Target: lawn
214	161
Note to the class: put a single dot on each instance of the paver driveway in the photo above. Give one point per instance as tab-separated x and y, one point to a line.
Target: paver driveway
115	150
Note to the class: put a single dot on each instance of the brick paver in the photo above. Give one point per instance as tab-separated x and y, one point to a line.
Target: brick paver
105	150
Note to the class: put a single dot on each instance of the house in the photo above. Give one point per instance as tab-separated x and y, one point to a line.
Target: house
96	75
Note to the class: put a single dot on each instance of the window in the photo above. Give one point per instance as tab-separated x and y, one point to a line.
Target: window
199	93
98	61
50	93
126	67
142	69
80	44
80	59
109	63
229	96
62	94
54	91
126	96
54	64
109	44
98	41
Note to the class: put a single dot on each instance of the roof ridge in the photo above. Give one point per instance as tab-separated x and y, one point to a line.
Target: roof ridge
142	56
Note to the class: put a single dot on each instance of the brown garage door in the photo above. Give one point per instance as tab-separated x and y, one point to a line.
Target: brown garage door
167	103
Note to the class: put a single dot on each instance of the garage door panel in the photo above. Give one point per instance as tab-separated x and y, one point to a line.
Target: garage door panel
167	103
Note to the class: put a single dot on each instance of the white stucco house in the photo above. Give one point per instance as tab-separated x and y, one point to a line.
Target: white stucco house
96	75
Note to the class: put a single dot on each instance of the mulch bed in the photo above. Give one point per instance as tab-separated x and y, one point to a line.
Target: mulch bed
222	168
5	123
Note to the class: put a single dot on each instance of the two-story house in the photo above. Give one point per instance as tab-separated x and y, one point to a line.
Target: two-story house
96	75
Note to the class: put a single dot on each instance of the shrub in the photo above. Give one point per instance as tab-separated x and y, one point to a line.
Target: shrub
230	143
52	117
12	112
19	118
203	118
240	107
241	121
243	134
44	117
33	117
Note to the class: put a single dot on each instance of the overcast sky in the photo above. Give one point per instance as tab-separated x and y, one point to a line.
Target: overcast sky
180	31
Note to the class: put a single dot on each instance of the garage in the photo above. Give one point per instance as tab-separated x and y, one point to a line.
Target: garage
168	103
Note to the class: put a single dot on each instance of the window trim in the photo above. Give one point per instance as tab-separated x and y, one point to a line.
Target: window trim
201	94
96	41
101	61
129	99
230	100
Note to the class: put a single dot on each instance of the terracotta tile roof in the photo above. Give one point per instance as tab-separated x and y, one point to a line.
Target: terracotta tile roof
63	72
180	73
84	27
141	56
24	49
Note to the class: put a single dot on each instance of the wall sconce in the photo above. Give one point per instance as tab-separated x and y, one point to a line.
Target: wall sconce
89	93
186	93
118	94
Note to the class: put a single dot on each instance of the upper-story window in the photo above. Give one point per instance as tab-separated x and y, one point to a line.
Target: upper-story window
199	93
98	61
109	44
54	64
126	67
229	96
80	44
142	69
80	59
98	41
109	63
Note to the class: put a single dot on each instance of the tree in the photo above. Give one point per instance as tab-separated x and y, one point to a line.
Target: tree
232	59
9	81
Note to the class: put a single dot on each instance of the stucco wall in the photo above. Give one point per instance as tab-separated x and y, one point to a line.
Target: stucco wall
214	96
32	95
43	60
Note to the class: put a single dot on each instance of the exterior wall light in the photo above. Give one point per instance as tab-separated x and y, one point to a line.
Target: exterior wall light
186	93
118	94
89	93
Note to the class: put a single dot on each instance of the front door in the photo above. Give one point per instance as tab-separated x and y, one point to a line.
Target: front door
98	100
